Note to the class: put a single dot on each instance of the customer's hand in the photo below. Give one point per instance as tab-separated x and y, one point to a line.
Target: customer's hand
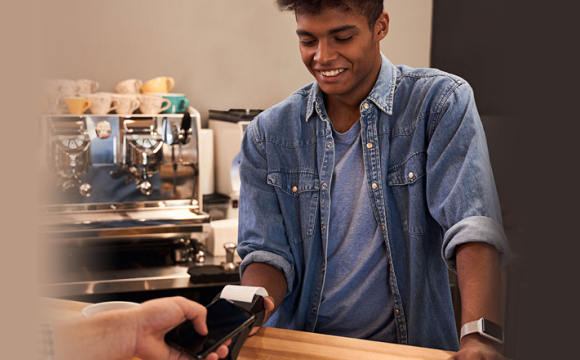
269	305
156	317
475	347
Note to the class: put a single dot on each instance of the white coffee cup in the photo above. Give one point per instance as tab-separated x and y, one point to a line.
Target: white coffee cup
153	104
55	104
86	86
126	103
66	87
50	87
101	102
130	86
98	308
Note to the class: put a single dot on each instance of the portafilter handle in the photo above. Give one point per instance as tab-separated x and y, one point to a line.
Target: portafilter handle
186	129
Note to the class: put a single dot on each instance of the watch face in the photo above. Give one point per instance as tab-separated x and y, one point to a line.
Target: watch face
492	329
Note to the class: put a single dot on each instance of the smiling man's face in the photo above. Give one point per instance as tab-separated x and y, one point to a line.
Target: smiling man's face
341	52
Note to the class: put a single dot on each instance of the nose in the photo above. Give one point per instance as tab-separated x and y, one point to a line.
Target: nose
324	52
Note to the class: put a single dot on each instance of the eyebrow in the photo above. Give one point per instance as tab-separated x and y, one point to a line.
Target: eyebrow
330	32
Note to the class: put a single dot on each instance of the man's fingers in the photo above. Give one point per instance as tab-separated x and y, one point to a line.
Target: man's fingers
222	351
254	331
195	312
269	303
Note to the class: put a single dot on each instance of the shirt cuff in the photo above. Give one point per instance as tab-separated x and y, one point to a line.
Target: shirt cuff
474	229
274	260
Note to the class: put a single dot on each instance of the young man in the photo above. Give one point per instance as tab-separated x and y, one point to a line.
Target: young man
363	187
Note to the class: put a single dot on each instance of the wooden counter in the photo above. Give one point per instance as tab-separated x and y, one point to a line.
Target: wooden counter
278	344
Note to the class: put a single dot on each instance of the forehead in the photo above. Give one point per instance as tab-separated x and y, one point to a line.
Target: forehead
328	19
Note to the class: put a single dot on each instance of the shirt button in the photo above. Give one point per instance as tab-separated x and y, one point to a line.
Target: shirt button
324	268
411	175
324	185
383	227
369	145
295	189
329	144
366	105
397	312
323	227
314	308
374	186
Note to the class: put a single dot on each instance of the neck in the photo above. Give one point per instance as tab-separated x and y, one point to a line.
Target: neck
344	109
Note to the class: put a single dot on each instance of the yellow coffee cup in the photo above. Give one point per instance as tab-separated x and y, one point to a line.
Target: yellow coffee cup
78	105
160	84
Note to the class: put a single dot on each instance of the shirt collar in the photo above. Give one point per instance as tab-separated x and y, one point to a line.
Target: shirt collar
382	93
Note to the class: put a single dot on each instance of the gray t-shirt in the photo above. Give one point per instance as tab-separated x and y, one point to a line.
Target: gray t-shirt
356	299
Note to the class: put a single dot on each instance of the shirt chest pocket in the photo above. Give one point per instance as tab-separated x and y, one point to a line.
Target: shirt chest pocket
407	183
298	196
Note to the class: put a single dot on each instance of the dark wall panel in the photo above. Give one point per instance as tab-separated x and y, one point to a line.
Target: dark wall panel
468	40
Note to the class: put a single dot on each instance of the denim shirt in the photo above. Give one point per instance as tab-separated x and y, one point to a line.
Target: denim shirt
431	190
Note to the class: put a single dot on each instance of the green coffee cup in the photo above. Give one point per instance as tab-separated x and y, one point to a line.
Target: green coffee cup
179	103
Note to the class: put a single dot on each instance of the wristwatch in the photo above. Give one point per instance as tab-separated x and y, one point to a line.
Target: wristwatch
485	328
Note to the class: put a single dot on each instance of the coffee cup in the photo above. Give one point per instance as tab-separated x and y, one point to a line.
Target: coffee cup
86	86
78	105
151	104
160	84
50	87
126	103
130	86
101	102
54	104
66	87
179	103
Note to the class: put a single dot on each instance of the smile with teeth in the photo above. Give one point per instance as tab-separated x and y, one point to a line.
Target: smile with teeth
332	73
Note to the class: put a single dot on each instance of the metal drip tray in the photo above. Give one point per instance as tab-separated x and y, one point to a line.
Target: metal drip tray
119	223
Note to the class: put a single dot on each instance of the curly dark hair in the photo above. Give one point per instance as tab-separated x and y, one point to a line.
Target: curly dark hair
372	9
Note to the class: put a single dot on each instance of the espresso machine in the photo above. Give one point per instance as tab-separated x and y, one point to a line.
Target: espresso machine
121	213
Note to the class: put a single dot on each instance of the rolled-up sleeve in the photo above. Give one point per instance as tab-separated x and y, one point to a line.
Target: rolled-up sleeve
461	192
261	233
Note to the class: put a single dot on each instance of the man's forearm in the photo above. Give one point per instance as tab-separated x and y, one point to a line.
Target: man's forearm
268	277
478	272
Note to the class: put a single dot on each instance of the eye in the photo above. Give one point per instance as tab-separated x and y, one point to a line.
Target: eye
344	40
307	43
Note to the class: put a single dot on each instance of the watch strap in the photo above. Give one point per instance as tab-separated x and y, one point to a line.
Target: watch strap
470	328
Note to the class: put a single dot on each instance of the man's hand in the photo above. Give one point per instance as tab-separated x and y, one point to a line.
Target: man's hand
153	319
474	347
270	306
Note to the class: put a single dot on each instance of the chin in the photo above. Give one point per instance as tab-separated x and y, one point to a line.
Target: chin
331	89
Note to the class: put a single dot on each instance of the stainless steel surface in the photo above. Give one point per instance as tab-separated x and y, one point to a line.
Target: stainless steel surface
129	280
230	252
69	152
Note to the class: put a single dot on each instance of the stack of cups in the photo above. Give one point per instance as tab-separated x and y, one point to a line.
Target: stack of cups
156	97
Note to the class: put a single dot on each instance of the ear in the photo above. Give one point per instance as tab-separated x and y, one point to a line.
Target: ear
381	27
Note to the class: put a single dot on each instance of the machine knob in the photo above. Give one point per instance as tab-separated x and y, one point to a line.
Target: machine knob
146	188
230	250
86	189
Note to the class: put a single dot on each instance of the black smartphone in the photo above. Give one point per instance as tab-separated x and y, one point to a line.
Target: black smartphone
224	321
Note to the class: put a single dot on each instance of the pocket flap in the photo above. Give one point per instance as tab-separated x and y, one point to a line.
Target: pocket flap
294	183
408	172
